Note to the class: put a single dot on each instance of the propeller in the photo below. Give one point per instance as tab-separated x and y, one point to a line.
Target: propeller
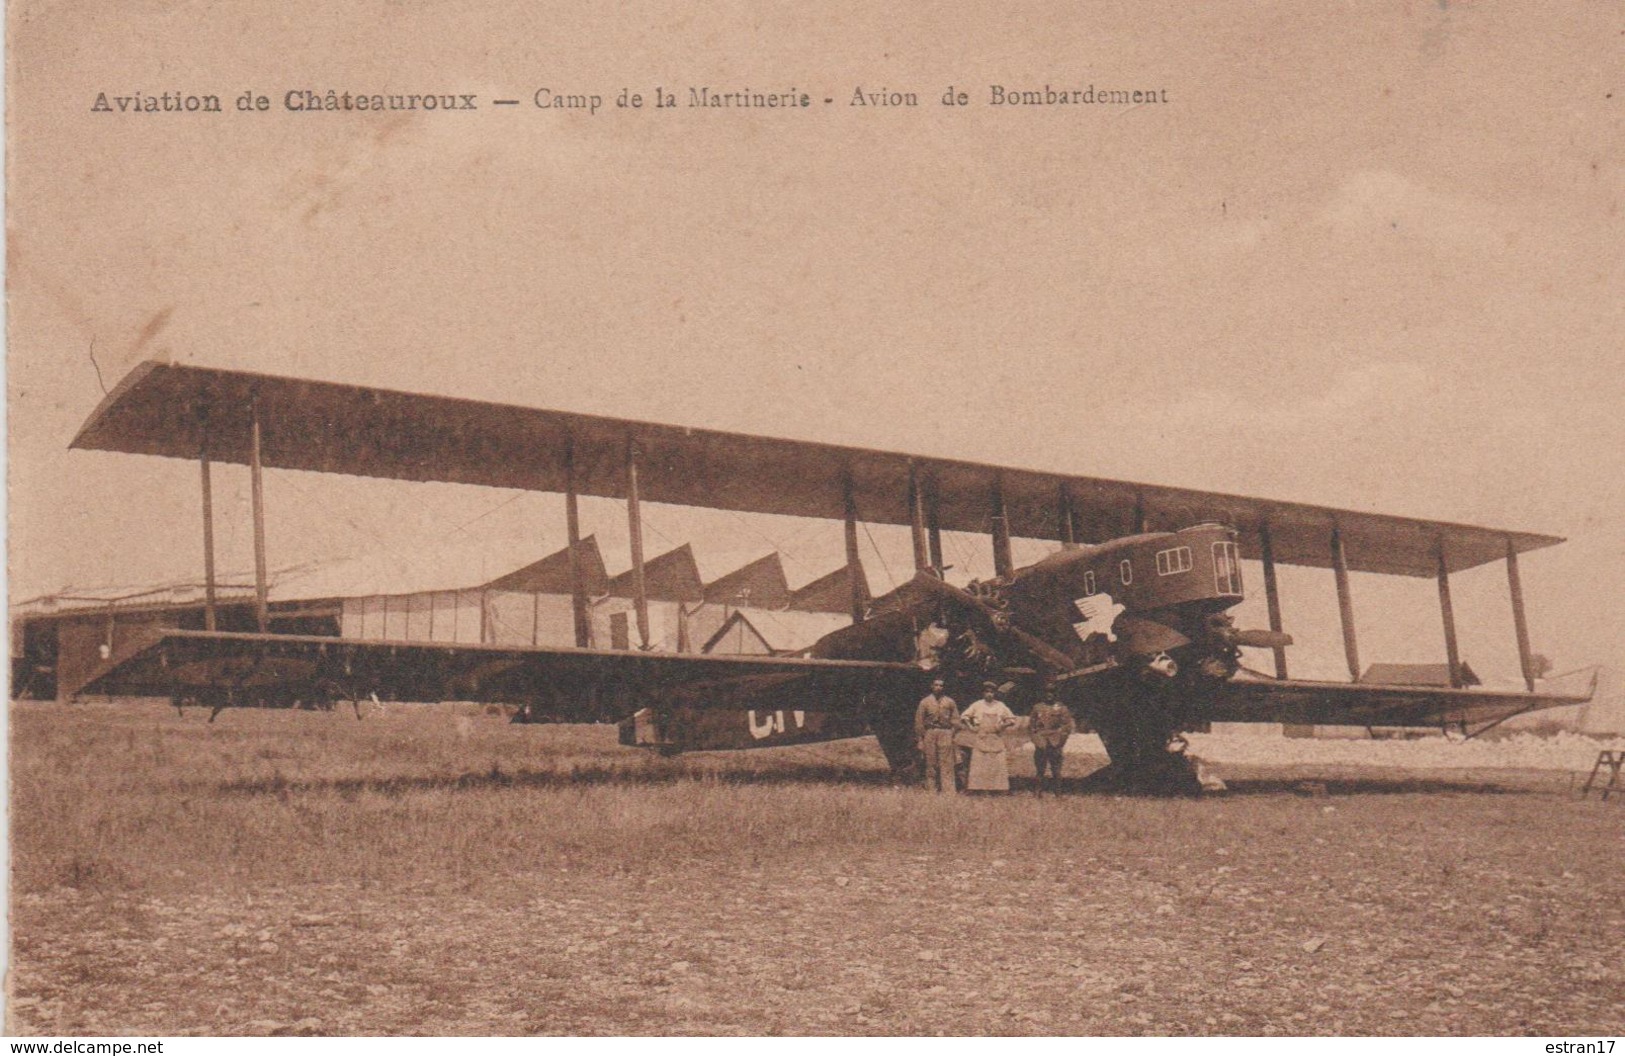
1259	639
995	620
1222	626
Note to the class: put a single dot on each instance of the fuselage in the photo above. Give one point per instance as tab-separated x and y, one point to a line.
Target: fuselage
1152	605
1168	584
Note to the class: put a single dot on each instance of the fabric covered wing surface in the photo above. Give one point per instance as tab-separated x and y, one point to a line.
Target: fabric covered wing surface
1350	704
171	410
599	684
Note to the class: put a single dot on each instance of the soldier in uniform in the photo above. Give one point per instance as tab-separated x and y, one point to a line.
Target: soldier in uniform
1050	726
935	722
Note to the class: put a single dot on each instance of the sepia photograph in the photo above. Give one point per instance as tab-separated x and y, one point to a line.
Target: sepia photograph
1058	520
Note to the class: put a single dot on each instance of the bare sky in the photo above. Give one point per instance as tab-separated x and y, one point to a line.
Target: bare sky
1365	256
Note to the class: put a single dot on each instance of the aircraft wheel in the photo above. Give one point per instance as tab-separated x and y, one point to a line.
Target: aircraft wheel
897	743
1137	740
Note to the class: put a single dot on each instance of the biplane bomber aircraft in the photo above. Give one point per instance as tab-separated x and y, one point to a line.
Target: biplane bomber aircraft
1129	621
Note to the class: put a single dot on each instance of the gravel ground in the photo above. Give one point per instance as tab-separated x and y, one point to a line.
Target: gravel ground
1371	912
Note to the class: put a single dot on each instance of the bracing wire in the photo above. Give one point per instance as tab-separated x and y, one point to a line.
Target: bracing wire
778	547
796	538
309	503
650	525
516	496
884	567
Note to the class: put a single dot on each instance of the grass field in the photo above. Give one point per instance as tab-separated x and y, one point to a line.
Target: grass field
440	871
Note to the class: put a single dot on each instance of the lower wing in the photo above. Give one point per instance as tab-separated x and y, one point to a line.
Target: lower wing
1354	704
226	667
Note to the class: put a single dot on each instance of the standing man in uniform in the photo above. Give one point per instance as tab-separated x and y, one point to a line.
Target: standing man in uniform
935	722
1050	726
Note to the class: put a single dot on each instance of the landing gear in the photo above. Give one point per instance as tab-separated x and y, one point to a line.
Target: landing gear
218	701
330	692
895	732
1140	729
1140	768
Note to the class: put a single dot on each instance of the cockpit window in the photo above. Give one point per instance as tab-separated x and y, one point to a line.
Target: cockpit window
1172	562
1227	568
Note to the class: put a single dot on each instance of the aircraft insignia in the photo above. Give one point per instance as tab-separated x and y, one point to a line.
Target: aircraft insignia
1097	612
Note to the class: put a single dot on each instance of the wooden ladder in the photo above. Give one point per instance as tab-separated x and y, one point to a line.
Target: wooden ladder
1614	762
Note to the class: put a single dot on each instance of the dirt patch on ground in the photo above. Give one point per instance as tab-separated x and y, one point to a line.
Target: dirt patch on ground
665	902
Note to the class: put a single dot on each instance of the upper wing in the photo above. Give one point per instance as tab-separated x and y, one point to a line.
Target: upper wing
584	683
168	409
1353	704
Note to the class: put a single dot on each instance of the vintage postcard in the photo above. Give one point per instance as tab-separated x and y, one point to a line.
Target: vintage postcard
775	519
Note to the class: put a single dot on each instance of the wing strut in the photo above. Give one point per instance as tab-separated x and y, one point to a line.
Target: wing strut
1066	528
933	530
572	527
1447	612
1345	604
1519	621
1003	564
854	569
916	520
1272	595
634	524
208	532
262	615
